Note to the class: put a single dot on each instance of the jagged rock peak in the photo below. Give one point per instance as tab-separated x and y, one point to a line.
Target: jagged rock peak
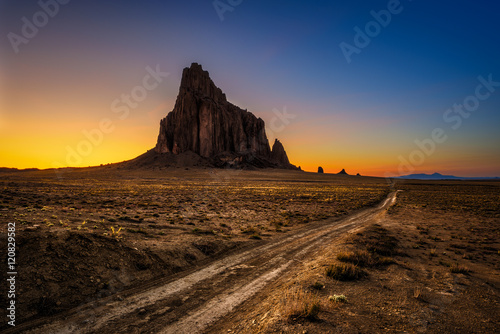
343	172
205	123
278	154
197	81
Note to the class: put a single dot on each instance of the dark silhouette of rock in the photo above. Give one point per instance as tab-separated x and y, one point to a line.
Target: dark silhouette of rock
342	172
358	174
205	123
320	170
278	154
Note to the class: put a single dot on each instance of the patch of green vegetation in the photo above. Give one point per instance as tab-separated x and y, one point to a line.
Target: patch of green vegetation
338	299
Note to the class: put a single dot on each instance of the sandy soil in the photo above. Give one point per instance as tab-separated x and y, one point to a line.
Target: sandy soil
190	303
441	276
252	252
90	234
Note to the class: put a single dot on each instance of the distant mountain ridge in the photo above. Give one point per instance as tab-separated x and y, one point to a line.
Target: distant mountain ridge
438	176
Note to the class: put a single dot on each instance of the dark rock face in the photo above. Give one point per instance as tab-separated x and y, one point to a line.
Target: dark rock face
204	122
320	170
343	172
278	154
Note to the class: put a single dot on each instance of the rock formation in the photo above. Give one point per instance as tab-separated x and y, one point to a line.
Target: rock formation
320	170
205	123
342	172
278	154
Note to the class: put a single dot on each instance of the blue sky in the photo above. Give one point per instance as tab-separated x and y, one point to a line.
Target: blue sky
265	55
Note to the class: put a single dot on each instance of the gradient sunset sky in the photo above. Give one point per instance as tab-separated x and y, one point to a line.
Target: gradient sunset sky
270	57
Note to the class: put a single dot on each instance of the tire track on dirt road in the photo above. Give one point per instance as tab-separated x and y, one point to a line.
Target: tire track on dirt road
190	303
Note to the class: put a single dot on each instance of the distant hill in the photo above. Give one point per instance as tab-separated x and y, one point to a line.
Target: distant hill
437	176
8	169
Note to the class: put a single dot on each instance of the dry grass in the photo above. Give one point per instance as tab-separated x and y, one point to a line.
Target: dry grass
358	257
345	272
298	303
373	245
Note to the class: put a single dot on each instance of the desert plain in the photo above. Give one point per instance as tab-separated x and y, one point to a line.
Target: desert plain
116	250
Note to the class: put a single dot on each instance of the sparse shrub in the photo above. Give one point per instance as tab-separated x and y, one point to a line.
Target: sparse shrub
338	299
300	304
360	258
364	259
345	272
312	310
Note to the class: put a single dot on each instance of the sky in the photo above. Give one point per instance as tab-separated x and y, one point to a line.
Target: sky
373	87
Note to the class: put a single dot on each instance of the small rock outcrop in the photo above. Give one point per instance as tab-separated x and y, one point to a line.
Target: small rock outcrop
320	170
342	172
205	123
278	154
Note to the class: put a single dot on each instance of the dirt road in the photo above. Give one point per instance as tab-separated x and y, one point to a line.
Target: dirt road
191	301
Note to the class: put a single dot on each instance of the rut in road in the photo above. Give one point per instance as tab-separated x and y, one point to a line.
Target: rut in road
191	303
